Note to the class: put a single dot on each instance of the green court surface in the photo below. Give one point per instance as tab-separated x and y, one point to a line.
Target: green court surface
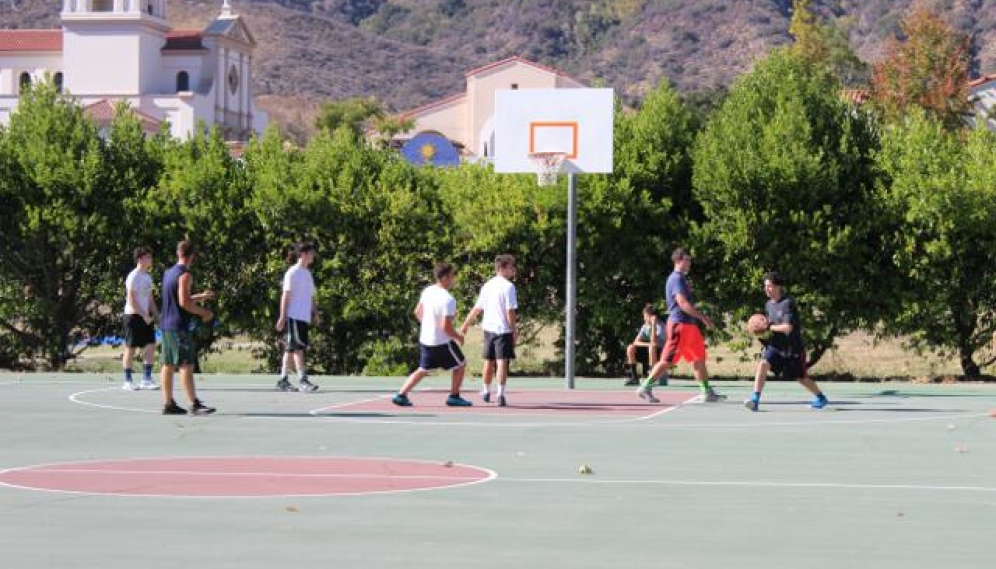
890	475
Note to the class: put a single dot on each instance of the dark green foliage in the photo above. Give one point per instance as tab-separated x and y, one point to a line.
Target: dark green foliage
783	173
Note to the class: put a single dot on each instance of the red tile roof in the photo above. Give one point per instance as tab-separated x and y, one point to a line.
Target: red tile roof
437	103
30	40
981	81
180	39
102	112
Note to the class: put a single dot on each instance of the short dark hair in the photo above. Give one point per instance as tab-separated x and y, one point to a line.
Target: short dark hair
503	261
185	249
442	270
650	310
305	247
679	254
141	252
775	278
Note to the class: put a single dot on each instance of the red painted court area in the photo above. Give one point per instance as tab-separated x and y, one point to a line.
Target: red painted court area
243	476
549	403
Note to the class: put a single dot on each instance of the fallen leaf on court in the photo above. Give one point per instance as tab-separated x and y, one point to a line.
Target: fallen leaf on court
291	509
961	449
993	413
585	469
448	464
951	427
900	514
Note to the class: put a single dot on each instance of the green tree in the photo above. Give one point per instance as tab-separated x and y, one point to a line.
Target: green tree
61	227
940	189
783	173
826	43
629	222
927	69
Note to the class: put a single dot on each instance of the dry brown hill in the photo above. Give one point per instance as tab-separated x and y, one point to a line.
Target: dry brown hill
408	52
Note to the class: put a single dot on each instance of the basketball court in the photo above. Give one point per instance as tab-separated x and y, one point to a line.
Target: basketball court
891	475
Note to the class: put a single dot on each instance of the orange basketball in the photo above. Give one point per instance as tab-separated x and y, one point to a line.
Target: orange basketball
757	324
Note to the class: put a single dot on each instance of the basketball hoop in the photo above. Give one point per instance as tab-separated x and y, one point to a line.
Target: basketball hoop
548	166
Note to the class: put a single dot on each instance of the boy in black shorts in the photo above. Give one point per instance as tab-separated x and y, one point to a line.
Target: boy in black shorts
784	353
439	342
139	314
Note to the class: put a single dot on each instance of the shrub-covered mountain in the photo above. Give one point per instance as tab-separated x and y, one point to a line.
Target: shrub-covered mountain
408	52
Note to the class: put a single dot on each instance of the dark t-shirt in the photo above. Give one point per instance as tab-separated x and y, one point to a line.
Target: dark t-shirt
173	318
785	312
677	284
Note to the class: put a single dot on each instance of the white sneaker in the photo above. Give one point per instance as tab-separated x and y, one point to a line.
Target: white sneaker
149	385
129	386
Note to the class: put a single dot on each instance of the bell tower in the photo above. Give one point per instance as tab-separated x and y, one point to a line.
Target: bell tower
113	47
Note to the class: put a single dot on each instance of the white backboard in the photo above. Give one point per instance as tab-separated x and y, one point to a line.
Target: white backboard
577	122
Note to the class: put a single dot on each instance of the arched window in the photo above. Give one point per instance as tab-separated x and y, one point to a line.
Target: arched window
25	81
182	81
103	5
57	79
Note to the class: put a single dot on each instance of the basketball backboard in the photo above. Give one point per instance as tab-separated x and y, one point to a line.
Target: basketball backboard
575	122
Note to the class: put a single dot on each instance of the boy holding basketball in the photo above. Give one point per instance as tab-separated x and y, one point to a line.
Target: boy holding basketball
684	340
784	351
500	306
439	342
179	309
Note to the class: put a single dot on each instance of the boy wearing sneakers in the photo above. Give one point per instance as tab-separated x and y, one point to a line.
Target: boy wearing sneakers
784	352
500	306
650	336
439	342
180	307
139	314
684	340
297	311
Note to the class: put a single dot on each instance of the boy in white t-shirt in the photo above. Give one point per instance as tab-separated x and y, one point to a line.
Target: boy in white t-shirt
439	342
139	314
297	311
500	306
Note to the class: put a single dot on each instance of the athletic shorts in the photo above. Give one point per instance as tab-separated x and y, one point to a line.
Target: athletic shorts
296	337
137	332
684	342
498	346
783	365
444	356
178	348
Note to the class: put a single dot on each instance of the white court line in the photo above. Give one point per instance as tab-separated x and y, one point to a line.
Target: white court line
75	399
753	484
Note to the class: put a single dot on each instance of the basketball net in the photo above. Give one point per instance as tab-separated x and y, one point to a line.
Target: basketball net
547	166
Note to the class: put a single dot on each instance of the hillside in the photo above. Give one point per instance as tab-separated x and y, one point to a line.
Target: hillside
408	52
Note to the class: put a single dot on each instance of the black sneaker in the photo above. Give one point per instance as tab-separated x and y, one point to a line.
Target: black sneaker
172	408
501	401
304	385
201	409
284	385
401	400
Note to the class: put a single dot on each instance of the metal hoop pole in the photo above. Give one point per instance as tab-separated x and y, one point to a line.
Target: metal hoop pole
572	222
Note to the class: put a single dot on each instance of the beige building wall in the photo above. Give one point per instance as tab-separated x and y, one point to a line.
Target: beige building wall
469	119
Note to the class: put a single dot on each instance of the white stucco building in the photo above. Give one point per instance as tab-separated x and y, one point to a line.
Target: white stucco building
125	50
467	119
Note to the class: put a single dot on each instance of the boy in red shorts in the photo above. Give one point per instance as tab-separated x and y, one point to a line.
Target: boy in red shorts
684	340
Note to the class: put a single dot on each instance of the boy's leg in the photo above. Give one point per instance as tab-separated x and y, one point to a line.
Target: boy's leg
166	379
488	375
760	376
299	364
702	376
148	359
127	359
456	380
187	378
412	381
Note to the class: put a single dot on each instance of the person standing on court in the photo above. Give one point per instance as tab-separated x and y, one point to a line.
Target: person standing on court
297	311
684	339
500	306
178	349
139	314
784	351
439	342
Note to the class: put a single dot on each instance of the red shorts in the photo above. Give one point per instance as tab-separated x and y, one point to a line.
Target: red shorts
684	342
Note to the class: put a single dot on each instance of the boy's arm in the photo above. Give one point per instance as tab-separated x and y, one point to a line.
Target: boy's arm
187	302
419	311
474	312
448	328
689	309
511	313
